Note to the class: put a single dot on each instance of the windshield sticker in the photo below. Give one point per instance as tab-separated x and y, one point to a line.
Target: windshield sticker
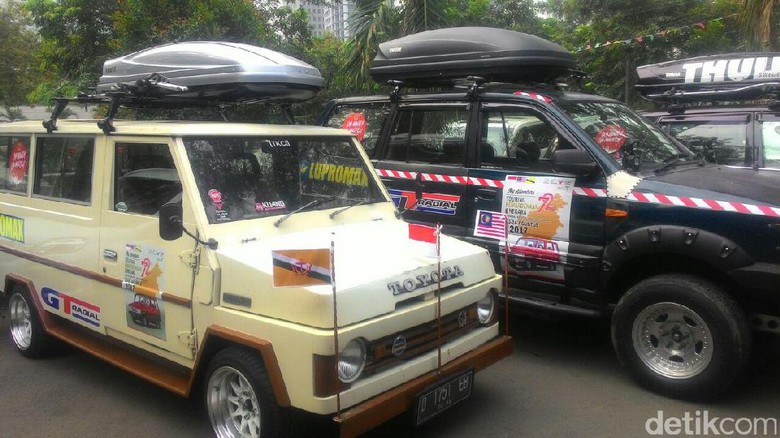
144	269
275	144
12	228
611	138
335	173
73	307
266	207
436	203
216	198
355	123
17	164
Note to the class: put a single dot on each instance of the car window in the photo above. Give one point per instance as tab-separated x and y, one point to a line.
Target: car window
14	163
618	130
364	122
144	178
514	137
429	135
720	140
770	134
252	177
63	168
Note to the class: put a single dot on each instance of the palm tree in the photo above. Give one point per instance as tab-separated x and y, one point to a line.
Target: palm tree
759	20
375	21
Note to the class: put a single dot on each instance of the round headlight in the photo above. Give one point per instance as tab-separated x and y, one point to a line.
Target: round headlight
352	359
485	308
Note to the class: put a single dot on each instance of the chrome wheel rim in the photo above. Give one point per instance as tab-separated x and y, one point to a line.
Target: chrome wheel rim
232	404
672	340
20	321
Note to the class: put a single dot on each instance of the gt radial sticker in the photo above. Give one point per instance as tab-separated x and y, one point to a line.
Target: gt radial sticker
436	203
301	267
73	307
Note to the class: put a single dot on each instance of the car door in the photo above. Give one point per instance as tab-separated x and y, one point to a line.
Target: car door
153	283
555	221
422	163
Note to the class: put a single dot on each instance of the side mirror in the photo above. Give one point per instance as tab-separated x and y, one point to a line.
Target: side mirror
573	161
170	221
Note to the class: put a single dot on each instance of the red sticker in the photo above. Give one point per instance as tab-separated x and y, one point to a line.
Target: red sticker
216	198
611	138
356	124
17	164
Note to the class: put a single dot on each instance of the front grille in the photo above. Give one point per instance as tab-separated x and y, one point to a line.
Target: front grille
419	339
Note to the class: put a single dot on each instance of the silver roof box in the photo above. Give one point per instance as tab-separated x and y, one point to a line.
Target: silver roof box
212	71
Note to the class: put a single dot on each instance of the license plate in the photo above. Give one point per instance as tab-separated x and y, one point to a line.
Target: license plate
443	396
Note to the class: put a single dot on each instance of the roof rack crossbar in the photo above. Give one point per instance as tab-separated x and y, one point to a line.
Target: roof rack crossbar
681	94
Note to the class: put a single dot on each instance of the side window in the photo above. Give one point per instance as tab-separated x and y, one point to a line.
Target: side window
63	168
770	134
14	163
364	122
720	140
429	135
516	137
144	178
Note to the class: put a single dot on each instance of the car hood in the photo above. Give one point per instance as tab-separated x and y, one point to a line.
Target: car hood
720	183
377	269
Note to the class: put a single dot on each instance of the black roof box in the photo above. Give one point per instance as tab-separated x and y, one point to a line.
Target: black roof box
731	76
443	55
212	71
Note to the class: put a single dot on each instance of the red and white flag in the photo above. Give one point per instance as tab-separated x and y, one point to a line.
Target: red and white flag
426	238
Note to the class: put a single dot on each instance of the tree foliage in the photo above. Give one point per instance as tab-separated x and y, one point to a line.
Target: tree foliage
17	69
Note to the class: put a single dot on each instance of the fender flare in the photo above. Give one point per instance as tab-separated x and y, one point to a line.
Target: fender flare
722	253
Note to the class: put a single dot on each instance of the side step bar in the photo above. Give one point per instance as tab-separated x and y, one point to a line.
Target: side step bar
534	303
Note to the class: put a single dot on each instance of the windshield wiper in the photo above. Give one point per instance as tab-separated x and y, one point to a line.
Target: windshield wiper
674	161
313	203
343	209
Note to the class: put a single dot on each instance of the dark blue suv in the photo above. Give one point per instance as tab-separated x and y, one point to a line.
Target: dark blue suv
606	215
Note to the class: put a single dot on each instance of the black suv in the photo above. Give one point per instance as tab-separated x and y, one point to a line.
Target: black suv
723	107
606	214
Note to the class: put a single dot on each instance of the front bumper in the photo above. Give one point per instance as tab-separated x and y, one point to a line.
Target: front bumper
375	411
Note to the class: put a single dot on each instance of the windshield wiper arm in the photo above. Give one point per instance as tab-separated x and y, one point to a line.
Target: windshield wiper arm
313	203
342	210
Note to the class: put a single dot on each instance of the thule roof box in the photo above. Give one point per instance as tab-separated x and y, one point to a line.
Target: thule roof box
197	74
441	56
734	76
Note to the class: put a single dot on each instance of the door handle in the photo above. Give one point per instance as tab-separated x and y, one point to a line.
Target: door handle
486	195
109	255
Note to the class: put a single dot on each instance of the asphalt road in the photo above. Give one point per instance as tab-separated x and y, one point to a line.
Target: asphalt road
562	381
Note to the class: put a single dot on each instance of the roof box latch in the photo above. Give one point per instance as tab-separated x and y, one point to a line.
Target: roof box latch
476	86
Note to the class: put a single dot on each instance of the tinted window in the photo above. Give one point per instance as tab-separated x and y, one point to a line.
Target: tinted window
63	168
721	141
770	133
144	178
246	178
364	122
511	138
429	136
14	163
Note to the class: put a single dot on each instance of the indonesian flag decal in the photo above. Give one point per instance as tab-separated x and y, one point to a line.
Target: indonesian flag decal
301	267
426	238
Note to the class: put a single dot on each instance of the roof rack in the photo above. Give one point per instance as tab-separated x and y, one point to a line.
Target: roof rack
727	77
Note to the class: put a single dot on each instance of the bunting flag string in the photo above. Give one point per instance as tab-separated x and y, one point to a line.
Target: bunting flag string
643	39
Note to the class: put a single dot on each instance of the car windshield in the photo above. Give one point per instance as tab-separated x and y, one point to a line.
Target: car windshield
624	134
251	177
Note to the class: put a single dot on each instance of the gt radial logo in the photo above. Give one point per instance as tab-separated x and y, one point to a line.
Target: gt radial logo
73	307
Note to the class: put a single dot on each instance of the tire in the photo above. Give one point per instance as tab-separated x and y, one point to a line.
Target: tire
25	326
681	336
239	398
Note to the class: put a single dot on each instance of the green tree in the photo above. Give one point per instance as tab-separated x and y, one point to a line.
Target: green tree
17	70
759	21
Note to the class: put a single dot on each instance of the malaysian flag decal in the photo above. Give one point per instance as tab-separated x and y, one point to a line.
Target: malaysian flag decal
490	224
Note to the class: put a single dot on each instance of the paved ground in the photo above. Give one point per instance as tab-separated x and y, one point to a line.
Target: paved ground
562	381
